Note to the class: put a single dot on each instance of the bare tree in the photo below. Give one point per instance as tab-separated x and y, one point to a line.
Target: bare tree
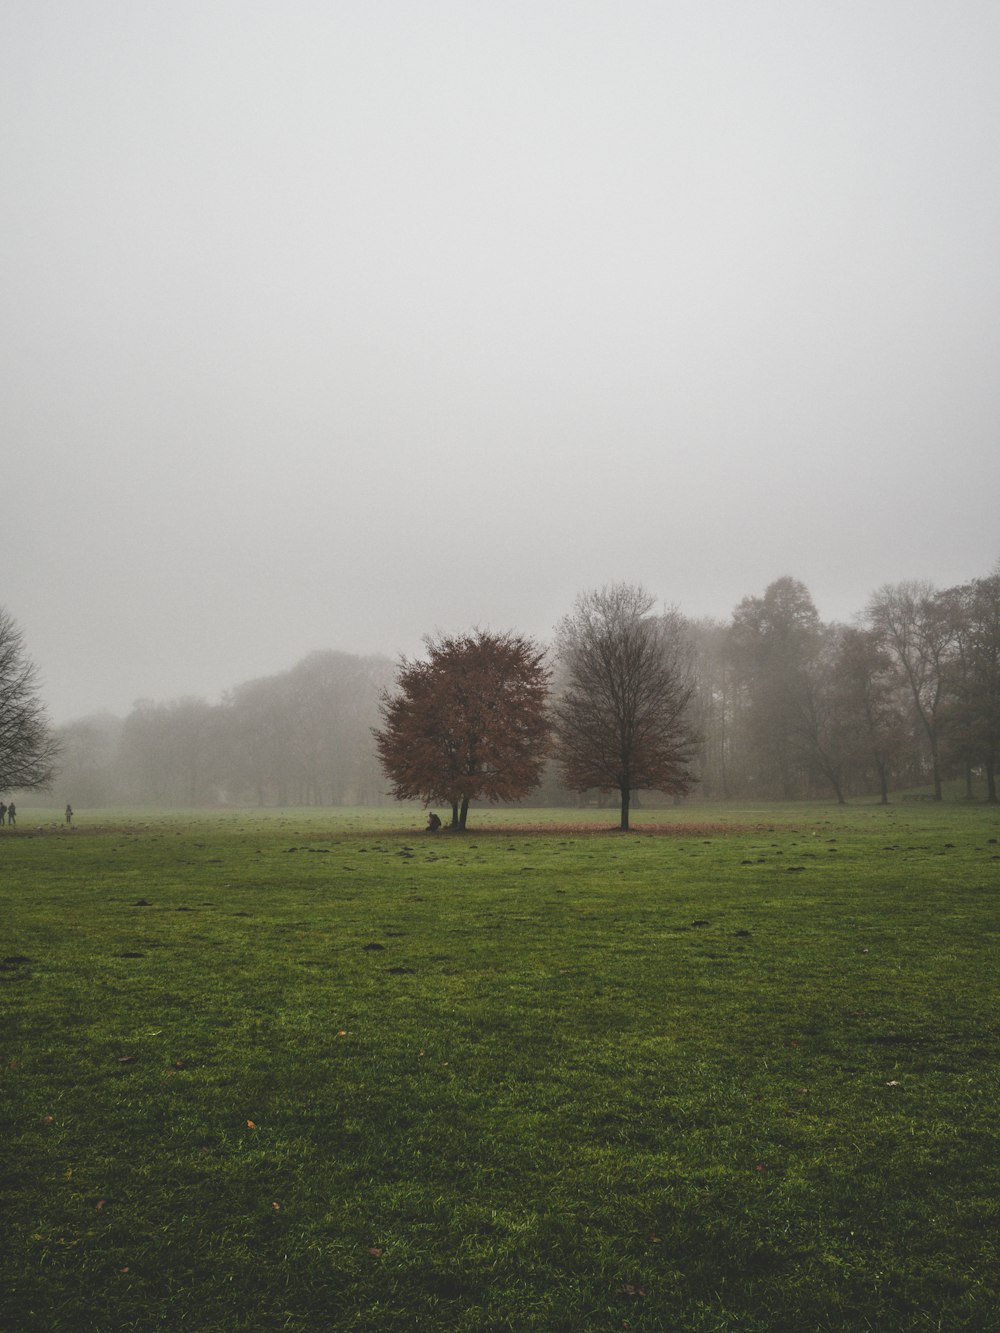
28	747
913	622
622	718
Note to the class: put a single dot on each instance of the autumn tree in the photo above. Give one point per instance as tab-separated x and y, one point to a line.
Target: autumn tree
467	724
28	747
622	716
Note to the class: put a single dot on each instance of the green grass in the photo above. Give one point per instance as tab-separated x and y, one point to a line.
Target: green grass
312	1070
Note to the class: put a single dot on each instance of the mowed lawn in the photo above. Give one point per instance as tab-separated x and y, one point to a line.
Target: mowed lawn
319	1070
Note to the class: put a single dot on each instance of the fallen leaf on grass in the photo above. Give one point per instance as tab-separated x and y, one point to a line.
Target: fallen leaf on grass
276	1207
100	1204
127	1059
48	1119
629	1289
894	1083
375	1251
251	1125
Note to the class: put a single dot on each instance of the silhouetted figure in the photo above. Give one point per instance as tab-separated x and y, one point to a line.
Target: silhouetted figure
3	811
69	814
433	823
11	812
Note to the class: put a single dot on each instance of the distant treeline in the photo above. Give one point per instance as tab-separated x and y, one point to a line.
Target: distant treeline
302	737
786	707
908	695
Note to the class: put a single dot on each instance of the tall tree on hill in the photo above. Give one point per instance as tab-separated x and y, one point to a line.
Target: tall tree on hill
28	747
468	724
622	719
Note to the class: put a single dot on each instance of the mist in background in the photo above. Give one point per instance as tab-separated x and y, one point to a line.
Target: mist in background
333	325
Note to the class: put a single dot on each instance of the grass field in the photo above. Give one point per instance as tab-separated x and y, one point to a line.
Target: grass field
315	1070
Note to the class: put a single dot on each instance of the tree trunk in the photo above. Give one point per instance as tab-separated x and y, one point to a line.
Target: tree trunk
833	777
936	769
454	814
991	781
883	785
463	813
626	797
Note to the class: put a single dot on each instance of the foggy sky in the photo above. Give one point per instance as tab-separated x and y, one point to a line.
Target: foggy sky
332	324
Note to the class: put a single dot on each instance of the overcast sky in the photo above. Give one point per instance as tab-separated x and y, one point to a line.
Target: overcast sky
331	324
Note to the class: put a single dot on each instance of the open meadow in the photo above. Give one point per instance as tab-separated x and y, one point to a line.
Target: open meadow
317	1070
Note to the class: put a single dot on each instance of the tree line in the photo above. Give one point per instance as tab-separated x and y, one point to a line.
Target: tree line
299	737
625	701
906	696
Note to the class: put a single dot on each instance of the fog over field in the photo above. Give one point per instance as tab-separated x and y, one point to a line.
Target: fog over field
331	325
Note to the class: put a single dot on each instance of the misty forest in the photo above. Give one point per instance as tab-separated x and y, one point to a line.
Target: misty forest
777	705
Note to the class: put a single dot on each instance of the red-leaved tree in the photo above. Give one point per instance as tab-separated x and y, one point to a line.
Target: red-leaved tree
467	724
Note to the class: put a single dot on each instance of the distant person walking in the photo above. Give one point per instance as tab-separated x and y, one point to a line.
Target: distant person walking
11	812
69	814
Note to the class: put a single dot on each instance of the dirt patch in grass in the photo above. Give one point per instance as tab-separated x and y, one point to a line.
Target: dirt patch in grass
595	829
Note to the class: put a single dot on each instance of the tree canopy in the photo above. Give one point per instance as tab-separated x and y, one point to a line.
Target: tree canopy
467	724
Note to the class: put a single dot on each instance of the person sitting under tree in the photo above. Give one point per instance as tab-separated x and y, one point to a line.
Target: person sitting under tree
433	823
